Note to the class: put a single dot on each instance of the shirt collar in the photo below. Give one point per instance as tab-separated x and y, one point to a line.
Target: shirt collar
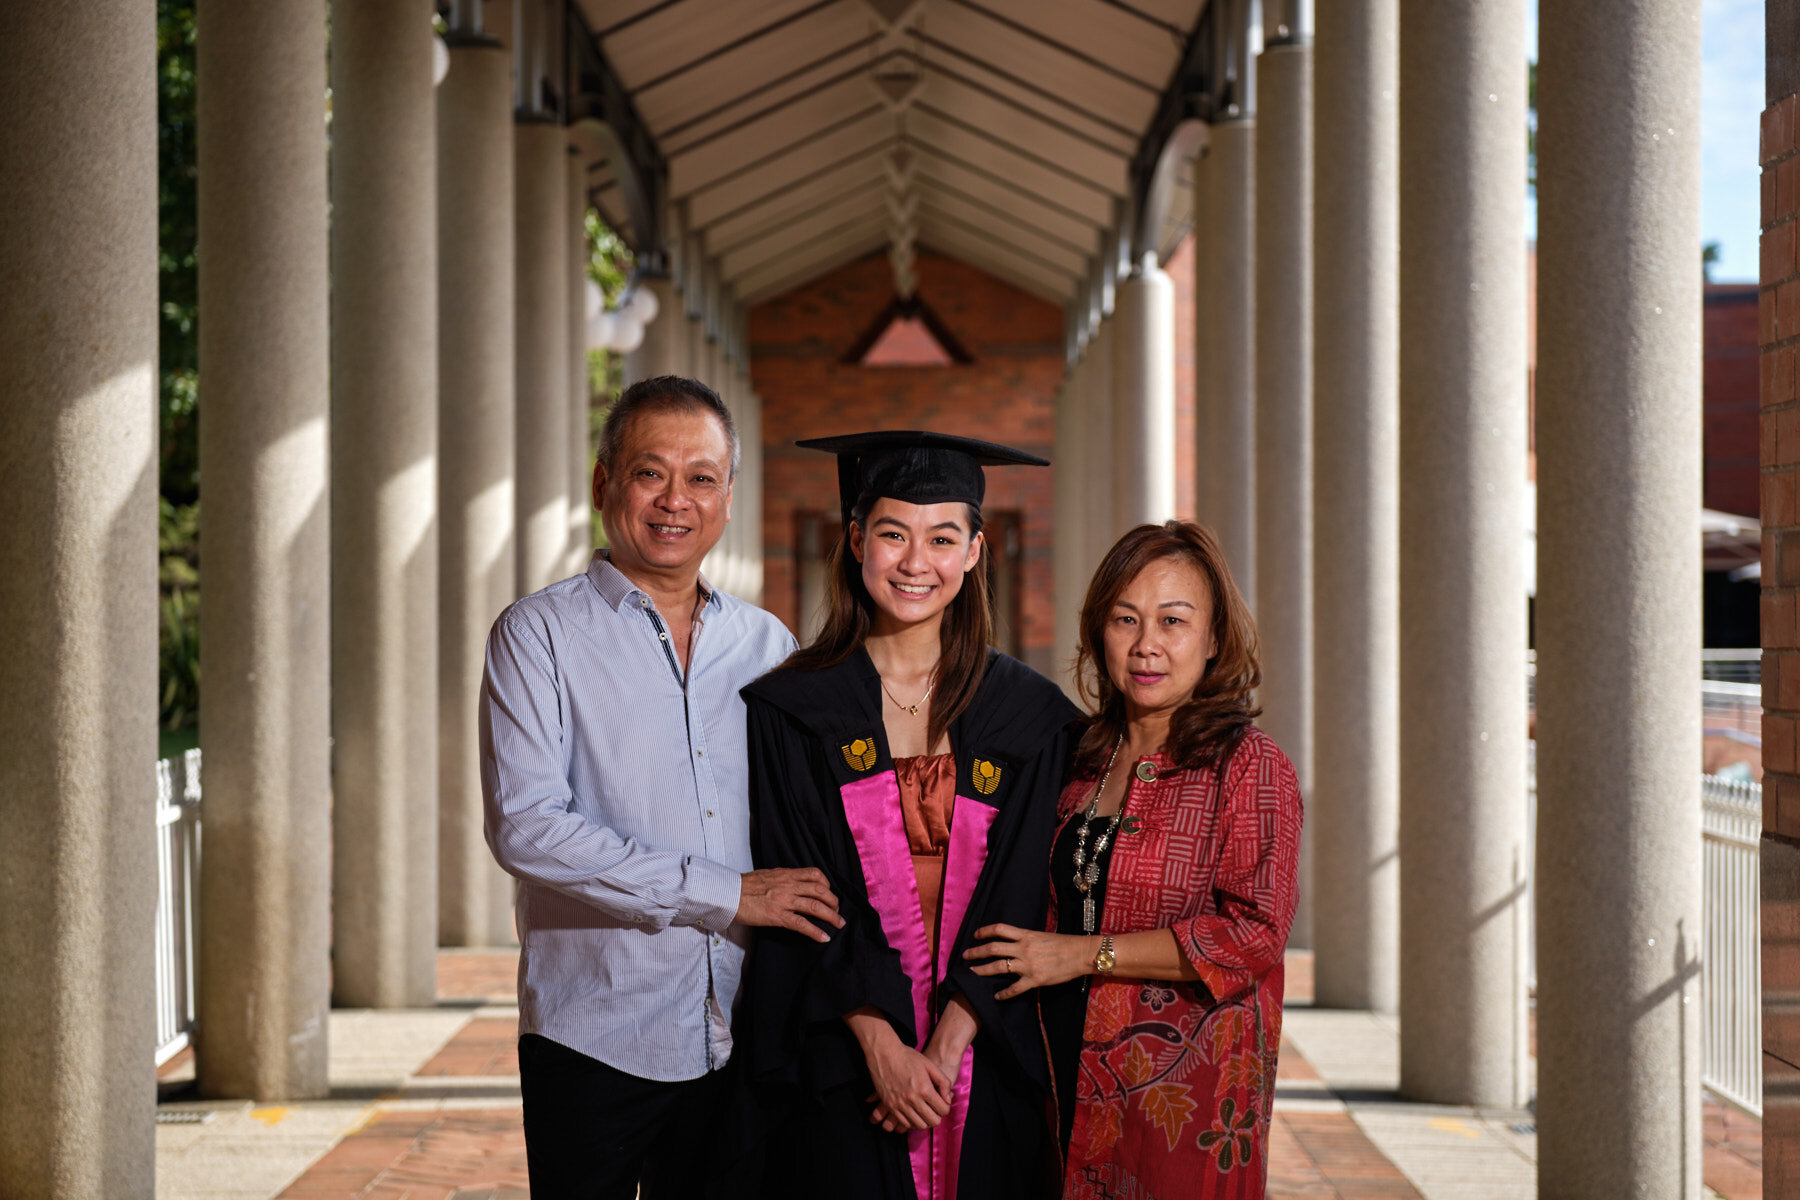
617	590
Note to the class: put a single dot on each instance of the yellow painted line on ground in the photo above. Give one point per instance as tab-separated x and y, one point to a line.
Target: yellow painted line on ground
270	1116
362	1120
1453	1125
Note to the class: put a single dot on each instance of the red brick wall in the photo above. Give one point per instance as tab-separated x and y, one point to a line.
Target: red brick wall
1731	398
1007	394
1778	331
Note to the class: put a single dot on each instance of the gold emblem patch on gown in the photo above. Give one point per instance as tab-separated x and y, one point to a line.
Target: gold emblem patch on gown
860	754
986	776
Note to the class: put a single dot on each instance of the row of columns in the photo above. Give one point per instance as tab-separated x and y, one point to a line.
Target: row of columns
701	332
394	447
1115	424
1361	403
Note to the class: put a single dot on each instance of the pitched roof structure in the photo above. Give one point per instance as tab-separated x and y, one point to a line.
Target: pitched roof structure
797	135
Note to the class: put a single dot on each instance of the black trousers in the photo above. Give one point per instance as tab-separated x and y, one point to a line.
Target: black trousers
596	1133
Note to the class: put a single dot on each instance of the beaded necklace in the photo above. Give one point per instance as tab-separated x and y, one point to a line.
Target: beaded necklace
1087	870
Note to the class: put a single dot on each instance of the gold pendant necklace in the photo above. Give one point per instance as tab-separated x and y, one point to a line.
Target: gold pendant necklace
913	709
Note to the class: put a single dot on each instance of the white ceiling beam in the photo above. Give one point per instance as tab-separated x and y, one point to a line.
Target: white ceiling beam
1032	133
1099	31
749	255
1129	102
802	202
980	223
1028	279
805	158
772	135
753	77
824	259
665	40
1093	201
1023	207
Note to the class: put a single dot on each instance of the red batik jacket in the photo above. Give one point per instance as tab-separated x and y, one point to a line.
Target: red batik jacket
1177	1079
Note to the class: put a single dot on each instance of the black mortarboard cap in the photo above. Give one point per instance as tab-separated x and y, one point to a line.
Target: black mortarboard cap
916	466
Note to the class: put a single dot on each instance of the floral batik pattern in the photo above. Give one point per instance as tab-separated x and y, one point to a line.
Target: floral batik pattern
1177	1080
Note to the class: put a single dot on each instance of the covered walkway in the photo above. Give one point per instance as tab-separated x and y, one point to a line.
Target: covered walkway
424	1106
395	445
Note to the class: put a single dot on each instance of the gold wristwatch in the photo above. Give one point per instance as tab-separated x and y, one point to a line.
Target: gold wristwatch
1106	960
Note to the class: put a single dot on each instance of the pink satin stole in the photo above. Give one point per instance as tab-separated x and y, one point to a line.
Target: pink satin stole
878	825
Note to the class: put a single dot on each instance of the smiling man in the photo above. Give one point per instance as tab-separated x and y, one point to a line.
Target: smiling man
614	767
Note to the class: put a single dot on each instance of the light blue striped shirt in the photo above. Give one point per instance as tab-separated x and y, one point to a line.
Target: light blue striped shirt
618	794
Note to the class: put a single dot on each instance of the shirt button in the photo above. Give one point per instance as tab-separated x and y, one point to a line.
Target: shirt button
709	812
701	753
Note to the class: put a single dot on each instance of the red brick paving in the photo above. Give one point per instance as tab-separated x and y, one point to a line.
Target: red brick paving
434	1155
478	975
420	1156
1327	1155
485	1046
1733	1162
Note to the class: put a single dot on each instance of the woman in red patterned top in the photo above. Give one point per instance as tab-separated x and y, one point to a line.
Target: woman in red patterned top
1173	879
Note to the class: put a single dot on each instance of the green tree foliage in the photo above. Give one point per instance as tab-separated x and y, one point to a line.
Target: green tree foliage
177	229
610	264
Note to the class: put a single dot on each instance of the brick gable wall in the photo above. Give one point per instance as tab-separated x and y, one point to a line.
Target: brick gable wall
1007	394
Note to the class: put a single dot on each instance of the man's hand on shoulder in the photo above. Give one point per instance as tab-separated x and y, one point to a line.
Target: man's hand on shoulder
792	898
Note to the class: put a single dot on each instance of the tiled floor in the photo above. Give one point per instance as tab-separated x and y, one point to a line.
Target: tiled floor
422	1156
425	1107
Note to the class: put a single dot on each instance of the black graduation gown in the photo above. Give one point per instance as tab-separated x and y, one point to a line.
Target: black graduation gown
823	794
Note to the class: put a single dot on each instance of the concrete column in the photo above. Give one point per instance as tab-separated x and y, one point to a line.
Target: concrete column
1143	482
1462	585
1206	507
1230	282
541	179
724	566
384	577
665	350
1284	442
1097	401
693	290
750	497
1355	794
477	567
1618	617
1068	501
265	878
581	464
696	355
78	480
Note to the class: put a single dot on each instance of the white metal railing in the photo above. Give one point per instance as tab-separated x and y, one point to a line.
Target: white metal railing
177	882
1731	966
1732	709
1731	916
1735	666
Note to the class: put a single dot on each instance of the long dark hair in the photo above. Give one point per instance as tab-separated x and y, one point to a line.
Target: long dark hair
968	626
1204	730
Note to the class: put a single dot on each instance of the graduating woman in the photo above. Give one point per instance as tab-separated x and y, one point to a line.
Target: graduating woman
1174	887
919	769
